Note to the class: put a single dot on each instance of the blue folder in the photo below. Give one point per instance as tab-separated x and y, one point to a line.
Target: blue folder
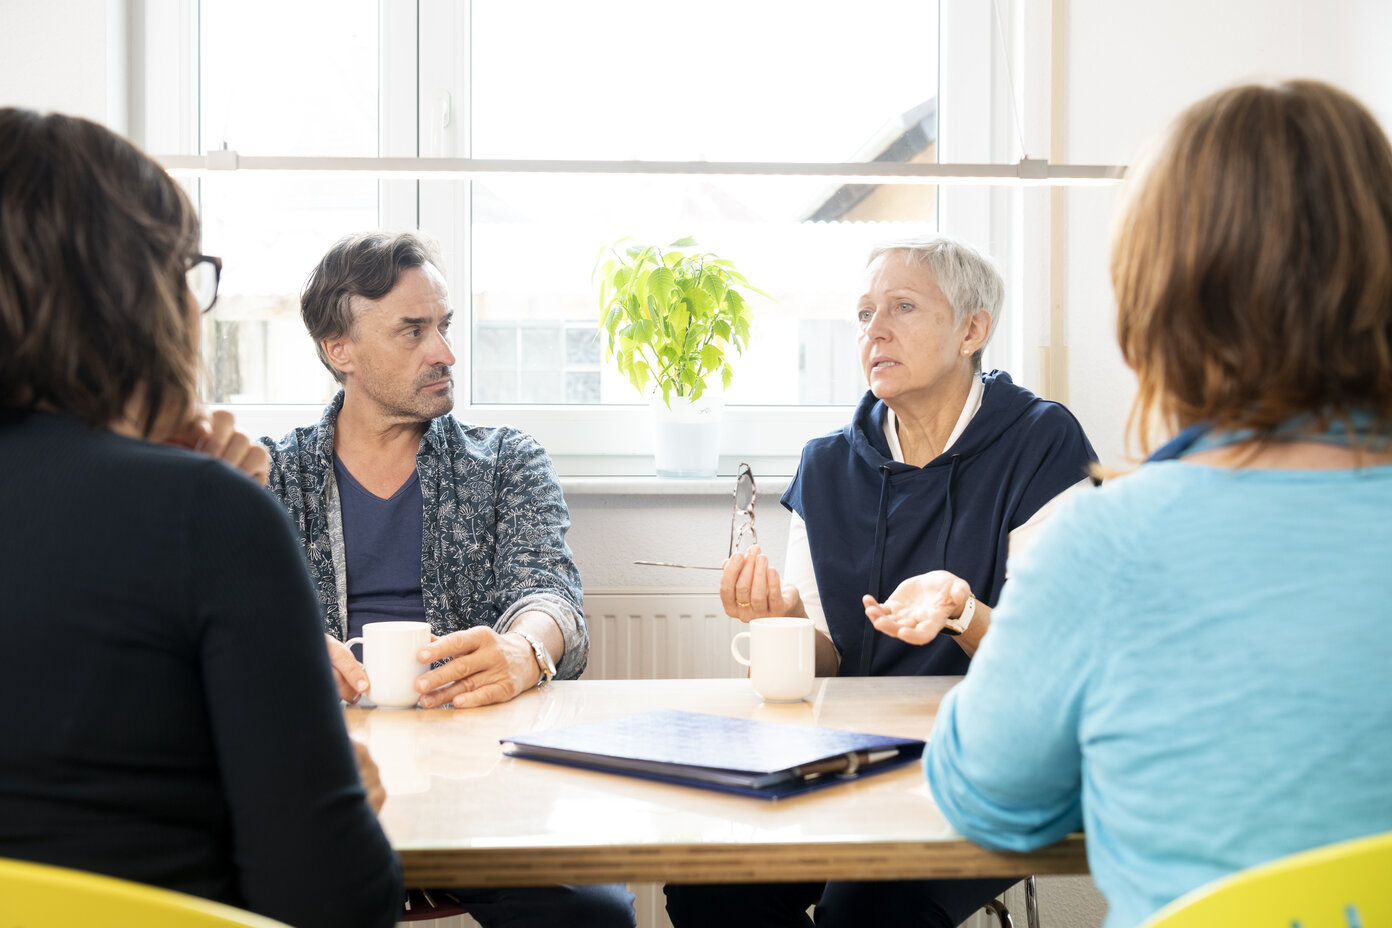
770	760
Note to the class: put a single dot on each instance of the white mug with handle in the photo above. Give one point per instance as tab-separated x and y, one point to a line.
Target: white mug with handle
782	654
389	657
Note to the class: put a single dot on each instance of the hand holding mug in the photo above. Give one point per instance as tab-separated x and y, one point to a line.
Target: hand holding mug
391	653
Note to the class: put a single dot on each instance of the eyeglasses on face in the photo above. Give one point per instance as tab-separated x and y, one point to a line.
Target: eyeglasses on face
204	274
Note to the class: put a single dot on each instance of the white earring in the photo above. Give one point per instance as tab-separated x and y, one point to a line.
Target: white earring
965	352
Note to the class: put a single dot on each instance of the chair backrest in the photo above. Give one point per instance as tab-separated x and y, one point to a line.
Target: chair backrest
1344	885
40	896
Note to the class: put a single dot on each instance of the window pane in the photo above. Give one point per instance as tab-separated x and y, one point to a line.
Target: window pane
270	232
308	86
724	80
721	80
760	82
278	78
535	308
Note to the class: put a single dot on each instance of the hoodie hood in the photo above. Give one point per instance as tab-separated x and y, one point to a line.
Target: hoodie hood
1002	405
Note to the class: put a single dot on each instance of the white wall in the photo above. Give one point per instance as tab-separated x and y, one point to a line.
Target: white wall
68	56
1131	67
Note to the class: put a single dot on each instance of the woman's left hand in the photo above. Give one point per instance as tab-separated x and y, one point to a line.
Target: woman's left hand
216	435
916	610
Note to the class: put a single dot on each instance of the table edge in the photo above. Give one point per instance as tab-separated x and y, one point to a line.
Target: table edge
735	863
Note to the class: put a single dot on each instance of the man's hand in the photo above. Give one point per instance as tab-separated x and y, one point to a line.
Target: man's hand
216	435
371	779
751	589
485	668
349	675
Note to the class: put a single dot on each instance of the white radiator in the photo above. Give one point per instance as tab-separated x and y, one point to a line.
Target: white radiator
659	635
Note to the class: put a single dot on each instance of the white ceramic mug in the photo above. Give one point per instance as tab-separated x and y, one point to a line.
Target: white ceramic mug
782	651
389	657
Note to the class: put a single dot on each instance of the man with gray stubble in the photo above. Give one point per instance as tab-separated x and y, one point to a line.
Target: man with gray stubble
407	514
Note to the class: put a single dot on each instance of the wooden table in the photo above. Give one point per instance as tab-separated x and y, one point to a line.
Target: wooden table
460	813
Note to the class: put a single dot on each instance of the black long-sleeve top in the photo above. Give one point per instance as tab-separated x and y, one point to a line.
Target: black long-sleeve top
167	713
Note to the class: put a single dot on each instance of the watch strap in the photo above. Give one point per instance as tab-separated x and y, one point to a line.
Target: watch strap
960	623
543	657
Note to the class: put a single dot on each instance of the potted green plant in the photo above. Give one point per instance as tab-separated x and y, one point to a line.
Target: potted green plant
673	317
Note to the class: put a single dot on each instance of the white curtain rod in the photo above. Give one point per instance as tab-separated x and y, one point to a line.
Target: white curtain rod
1026	172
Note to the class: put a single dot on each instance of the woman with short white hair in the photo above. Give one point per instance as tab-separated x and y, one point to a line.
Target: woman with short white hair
942	468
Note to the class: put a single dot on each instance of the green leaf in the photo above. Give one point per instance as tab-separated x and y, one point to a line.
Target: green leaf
612	315
661	285
721	329
741	333
641	374
700	302
711	357
683	243
678	317
726	375
715	287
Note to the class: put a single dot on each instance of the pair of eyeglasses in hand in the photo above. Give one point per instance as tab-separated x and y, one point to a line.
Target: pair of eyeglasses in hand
741	521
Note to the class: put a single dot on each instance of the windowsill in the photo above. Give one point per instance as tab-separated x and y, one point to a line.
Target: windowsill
770	486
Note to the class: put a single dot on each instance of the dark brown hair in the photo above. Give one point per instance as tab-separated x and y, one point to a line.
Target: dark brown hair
367	265
1252	264
94	243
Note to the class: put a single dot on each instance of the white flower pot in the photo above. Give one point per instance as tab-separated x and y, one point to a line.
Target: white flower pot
686	437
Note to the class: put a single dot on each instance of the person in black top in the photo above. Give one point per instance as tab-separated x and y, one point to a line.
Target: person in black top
169	713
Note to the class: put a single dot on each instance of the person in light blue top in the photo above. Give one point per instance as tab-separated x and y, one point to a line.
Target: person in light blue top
1193	663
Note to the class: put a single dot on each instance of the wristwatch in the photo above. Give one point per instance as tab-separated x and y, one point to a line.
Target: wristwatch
958	624
543	656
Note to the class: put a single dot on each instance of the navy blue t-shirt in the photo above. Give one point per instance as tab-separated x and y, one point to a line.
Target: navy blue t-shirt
382	546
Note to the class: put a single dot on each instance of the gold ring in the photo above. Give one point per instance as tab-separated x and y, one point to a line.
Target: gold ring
738	603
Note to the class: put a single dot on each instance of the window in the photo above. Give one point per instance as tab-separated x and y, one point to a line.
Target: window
609	80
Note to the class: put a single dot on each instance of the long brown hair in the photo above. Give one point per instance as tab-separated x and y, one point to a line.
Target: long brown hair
94	243
1252	264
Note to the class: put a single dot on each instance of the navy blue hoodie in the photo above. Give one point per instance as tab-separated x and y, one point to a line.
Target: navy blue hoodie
873	522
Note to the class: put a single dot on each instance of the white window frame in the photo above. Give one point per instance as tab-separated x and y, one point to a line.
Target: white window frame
418	51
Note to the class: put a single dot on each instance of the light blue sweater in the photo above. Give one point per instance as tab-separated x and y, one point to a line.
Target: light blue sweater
1192	664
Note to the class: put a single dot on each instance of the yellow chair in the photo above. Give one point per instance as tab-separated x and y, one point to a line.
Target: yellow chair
40	896
1344	885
